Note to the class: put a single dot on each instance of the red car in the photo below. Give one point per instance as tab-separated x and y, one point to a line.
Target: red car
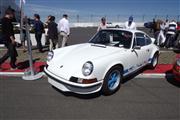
176	68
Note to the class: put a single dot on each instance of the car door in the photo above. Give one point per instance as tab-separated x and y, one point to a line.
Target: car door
149	47
141	49
129	58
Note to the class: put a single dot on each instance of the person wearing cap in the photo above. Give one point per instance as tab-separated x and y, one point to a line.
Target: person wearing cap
130	24
102	25
63	30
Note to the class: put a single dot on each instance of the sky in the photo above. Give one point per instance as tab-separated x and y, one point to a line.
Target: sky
91	10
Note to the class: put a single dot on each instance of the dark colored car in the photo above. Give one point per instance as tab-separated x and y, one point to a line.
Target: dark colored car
176	68
148	24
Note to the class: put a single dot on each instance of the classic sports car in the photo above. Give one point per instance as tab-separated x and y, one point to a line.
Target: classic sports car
102	63
176	68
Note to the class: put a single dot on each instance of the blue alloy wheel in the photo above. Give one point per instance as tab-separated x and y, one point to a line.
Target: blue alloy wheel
112	80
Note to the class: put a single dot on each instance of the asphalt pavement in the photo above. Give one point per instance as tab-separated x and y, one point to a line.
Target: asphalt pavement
137	99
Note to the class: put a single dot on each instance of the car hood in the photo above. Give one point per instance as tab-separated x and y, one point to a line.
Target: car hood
70	59
85	52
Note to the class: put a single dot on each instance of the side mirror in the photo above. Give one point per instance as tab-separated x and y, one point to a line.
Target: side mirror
136	48
153	40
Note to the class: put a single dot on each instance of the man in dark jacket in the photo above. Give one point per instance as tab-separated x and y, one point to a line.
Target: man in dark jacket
39	29
9	39
52	33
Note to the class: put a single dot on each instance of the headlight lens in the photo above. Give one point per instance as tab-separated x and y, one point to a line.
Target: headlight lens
87	68
50	56
178	62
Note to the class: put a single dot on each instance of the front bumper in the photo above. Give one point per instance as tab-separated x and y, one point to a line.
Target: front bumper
68	86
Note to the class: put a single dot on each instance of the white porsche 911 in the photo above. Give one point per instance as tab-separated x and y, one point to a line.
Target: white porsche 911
102	63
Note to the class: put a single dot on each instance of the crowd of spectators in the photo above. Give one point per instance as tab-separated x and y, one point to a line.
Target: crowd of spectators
165	32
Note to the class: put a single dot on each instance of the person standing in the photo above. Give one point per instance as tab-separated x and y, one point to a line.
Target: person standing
39	29
52	33
166	26
102	24
9	39
170	35
130	24
161	37
64	31
24	36
46	29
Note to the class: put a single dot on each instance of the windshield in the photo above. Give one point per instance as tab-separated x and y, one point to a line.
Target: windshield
116	38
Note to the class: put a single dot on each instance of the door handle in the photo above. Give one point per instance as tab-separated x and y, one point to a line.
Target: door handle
147	50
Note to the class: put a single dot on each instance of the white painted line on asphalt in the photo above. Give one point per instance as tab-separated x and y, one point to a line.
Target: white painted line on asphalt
14	74
154	75
163	51
147	75
142	75
11	73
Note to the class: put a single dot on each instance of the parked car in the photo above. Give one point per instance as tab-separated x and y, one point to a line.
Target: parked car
176	68
148	24
102	63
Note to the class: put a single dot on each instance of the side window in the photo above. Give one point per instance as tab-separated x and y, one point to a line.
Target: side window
123	38
148	40
140	39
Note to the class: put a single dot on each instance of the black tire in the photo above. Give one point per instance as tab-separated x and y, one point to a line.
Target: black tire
112	80
154	61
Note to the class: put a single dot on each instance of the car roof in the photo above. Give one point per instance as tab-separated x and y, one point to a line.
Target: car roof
133	31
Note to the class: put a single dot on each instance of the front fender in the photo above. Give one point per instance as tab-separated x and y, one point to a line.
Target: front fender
112	65
104	68
155	51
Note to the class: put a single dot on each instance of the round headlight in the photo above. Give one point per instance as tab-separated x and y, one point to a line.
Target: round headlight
50	56
87	68
178	62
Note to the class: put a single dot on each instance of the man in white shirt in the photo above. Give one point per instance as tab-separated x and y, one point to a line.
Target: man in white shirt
130	24
64	30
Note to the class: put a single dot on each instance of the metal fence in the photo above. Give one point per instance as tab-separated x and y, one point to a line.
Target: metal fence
120	18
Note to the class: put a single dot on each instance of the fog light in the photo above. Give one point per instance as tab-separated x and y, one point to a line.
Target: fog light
86	81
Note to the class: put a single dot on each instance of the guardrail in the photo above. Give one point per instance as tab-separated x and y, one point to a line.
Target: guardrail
93	24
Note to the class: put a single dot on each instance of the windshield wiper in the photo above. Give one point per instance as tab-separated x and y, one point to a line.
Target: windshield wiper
98	45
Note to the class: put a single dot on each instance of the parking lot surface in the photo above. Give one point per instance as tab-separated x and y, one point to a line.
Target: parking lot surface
137	99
